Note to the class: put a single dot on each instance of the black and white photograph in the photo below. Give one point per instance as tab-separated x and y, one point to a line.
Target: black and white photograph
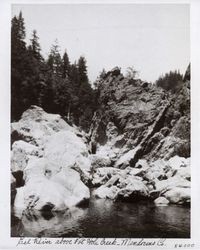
100	121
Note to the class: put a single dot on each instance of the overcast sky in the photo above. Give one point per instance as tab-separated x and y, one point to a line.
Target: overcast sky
154	38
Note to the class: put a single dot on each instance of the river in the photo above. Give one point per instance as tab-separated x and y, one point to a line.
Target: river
105	218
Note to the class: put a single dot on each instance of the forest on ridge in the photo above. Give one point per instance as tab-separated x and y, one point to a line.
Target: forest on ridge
55	84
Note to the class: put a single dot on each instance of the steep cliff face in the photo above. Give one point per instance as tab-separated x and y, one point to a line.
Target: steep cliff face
138	116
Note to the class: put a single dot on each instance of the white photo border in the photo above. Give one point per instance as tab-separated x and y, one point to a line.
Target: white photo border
8	242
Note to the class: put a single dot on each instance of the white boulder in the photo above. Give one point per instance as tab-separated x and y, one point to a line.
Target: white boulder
50	181
178	162
35	125
64	147
134	189
105	192
161	201
178	195
175	181
61	191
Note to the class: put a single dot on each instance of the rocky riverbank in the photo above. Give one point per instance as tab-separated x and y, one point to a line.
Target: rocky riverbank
138	148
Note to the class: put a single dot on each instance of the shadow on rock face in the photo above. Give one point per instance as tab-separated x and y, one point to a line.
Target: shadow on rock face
48	207
16	226
83	204
19	178
133	197
47	215
46	211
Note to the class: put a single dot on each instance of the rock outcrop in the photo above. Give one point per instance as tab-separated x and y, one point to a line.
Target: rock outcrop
134	114
145	131
44	150
138	148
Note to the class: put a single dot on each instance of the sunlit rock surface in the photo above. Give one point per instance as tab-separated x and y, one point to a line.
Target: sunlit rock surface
44	150
161	201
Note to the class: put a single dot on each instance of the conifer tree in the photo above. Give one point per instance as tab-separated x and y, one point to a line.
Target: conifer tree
35	46
171	81
82	68
65	65
54	59
54	84
74	75
18	64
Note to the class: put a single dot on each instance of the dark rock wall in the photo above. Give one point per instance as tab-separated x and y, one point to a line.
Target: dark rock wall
143	114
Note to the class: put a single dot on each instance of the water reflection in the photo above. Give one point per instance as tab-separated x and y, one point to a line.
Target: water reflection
103	218
49	224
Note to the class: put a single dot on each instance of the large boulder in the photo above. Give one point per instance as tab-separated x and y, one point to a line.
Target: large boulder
45	157
105	192
170	183
161	201
35	125
49	185
64	147
134	190
63	190
41	194
179	195
177	162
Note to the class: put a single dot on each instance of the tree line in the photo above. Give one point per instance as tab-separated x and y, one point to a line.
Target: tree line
55	84
171	81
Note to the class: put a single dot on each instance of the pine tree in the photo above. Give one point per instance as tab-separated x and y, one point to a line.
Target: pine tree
84	110
22	32
74	75
54	84
36	78
50	63
54	59
18	64
171	81
35	46
65	65
82	69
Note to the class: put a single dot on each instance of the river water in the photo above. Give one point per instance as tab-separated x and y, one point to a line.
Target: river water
105	218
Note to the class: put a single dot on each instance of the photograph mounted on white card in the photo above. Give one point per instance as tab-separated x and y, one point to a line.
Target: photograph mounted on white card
100	121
